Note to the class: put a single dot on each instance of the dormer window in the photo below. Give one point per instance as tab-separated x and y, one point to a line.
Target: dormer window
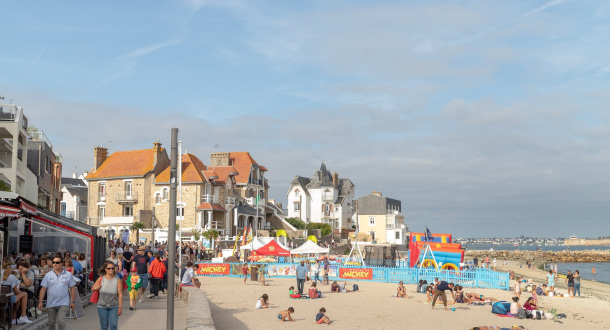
296	193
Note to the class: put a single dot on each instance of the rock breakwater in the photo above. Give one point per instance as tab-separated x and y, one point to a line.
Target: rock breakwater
543	256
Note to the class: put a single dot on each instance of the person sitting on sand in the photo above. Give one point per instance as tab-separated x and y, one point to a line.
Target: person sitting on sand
515	307
541	291
530	305
262	302
285	315
402	291
343	287
321	318
477	297
313	291
460	298
430	294
334	287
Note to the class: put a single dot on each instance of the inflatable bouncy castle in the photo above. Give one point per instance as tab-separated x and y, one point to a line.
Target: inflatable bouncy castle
445	255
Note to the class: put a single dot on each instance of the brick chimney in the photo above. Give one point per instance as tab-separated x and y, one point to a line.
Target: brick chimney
335	179
220	159
99	156
157	151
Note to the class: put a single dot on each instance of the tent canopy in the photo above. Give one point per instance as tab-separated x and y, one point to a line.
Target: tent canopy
309	247
272	249
259	242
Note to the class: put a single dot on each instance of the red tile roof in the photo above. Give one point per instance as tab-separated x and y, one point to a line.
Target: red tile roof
211	206
125	163
192	171
222	172
242	161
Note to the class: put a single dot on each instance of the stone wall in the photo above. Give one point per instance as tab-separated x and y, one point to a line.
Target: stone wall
198	312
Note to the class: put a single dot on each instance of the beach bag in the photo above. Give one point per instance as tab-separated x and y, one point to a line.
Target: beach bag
500	307
355	287
196	282
95	296
522	314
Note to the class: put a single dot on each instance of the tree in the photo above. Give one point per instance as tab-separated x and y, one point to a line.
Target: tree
210	235
326	229
296	223
196	234
137	226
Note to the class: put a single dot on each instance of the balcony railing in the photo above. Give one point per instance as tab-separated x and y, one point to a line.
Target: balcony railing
394	226
328	198
207	198
8	112
116	221
126	196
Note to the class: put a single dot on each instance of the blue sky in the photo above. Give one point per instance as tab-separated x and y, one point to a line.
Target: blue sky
477	115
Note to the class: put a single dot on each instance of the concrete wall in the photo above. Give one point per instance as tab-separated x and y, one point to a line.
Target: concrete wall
198	312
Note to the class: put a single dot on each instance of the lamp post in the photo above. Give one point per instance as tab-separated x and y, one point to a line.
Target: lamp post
180	196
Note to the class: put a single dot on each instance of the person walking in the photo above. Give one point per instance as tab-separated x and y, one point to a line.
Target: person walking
301	276
577	283
60	286
316	272
142	266
157	269
326	270
110	301
439	290
570	282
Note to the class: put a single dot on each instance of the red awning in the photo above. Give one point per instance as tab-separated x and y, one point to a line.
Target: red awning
272	249
28	208
7	211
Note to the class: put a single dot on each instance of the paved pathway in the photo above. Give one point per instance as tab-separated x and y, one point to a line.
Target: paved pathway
151	314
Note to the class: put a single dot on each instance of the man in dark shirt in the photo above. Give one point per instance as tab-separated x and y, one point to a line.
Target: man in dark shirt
439	290
128	258
142	267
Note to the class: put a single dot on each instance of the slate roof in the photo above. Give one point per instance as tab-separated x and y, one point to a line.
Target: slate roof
301	181
322	178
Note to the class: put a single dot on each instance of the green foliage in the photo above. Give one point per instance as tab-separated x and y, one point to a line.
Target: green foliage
326	228
4	186
137	225
196	234
210	235
296	223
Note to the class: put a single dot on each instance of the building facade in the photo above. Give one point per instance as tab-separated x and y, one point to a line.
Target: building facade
325	198
13	151
381	218
47	167
74	201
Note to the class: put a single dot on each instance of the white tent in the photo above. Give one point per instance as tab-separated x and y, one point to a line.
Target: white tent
309	247
259	242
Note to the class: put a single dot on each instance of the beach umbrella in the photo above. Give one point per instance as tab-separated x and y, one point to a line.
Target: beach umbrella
281	232
312	238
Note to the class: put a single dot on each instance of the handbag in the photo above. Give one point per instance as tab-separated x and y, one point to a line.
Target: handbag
196	282
95	295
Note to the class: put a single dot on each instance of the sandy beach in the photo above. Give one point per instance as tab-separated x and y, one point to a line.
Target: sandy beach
232	305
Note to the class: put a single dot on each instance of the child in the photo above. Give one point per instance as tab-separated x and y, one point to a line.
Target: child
133	285
334	287
244	271
285	315
262	302
518	287
261	274
291	290
321	318
401	291
535	294
313	291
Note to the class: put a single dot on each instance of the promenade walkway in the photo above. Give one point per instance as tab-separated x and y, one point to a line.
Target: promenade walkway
151	314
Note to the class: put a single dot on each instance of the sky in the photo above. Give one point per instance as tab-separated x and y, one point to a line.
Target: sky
485	118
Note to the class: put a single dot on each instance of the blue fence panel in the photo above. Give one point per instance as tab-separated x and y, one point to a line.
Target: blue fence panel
474	278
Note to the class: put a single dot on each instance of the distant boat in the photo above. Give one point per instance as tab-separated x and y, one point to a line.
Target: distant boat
573	237
516	244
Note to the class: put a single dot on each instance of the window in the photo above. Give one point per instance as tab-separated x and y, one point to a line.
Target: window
128	186
297	206
327	195
397	235
371	221
128	210
336	209
102	191
327	210
165	194
101	211
296	193
372	235
157	198
180	212
62	209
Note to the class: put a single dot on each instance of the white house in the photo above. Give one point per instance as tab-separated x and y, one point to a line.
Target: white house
325	198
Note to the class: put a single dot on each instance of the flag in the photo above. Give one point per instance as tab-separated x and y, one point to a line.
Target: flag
429	237
250	234
258	197
243	239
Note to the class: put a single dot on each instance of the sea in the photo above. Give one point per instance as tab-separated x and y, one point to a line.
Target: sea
602	269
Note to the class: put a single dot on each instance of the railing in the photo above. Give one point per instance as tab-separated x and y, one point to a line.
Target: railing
328	198
128	220
390	226
39	135
207	198
129	196
479	278
8	112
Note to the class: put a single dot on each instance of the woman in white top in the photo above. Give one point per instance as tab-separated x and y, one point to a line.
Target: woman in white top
515	307
20	299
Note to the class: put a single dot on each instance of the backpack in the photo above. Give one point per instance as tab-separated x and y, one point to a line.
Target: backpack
500	307
355	287
522	314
